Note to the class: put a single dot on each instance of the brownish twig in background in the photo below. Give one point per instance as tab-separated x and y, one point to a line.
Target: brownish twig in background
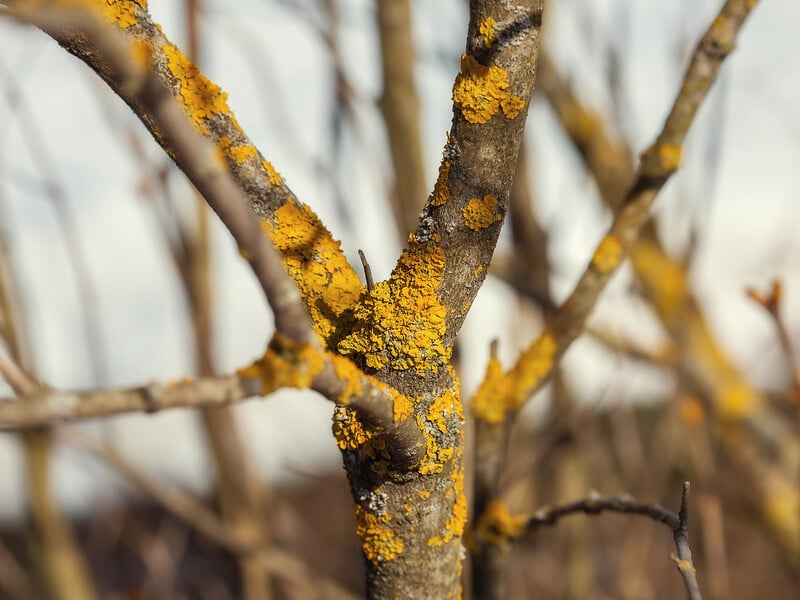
399	106
771	303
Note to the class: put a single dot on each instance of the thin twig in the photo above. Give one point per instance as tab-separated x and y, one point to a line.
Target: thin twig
367	270
595	504
771	302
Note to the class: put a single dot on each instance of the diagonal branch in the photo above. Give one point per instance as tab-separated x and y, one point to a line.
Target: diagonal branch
332	376
329	285
658	163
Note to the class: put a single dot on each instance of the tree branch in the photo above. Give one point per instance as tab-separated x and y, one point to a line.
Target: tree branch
658	164
491	96
332	376
594	505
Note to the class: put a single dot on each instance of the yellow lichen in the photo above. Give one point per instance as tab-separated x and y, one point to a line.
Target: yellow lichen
441	190
512	106
782	510
664	278
608	254
533	366
424	494
454	528
348	431
400	323
496	525
488	404
316	263
479	214
141	54
662	159
121	13
486	29
442	410
274	176
480	91
201	98
285	364
402	408
236	153
379	543
736	400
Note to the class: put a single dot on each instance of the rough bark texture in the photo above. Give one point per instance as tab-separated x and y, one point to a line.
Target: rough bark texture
410	509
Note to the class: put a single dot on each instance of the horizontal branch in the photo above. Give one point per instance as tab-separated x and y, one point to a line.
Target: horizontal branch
50	406
318	266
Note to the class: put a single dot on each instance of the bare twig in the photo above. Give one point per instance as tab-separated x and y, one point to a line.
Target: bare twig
594	505
367	270
771	303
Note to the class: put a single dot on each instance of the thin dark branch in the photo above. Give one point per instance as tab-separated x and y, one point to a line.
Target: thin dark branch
367	270
595	504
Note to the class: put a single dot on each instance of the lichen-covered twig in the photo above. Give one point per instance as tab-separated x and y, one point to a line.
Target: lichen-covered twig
375	403
658	164
316	263
491	96
502	395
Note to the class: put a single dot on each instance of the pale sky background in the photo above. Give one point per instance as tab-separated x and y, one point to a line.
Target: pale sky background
736	190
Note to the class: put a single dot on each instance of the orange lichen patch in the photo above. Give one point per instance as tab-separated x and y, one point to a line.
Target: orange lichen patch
486	29
443	409
488	404
479	214
274	177
454	528
479	91
665	279
666	158
141	54
512	106
379	543
424	494
532	367
348	431
121	13
236	153
691	412
401	322
441	190
736	400
608	254
402	408
496	525
782	510
316	263
285	364
201	98
458	519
